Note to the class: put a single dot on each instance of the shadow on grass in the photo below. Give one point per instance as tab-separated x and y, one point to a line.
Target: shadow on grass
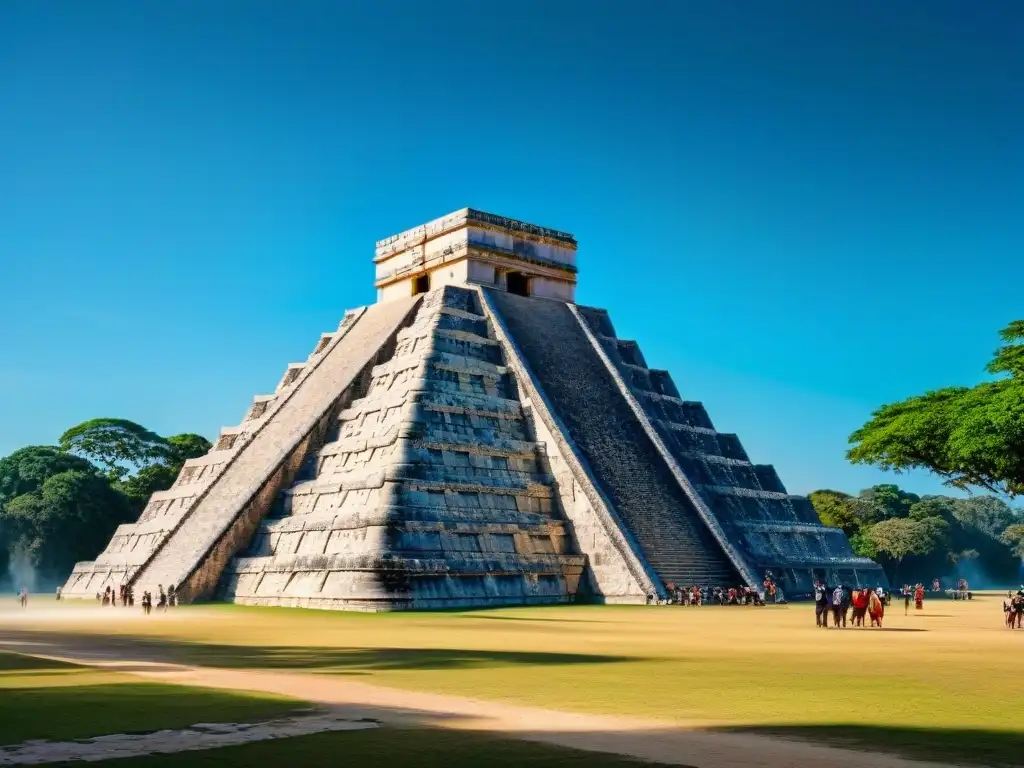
11	662
957	745
419	747
361	660
81	711
353	661
898	629
531	619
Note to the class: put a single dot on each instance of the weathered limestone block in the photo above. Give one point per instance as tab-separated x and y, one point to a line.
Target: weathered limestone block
430	476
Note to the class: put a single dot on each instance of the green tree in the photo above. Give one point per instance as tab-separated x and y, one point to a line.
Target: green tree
988	514
863	546
890	500
25	470
185	446
1013	537
834	510
70	517
942	507
899	537
971	437
115	445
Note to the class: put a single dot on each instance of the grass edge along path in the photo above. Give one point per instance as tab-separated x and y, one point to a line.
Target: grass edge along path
420	747
57	701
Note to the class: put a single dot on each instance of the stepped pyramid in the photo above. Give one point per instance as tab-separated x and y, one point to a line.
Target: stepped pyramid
474	438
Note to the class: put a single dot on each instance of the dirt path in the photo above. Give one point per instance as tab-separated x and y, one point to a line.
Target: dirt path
652	740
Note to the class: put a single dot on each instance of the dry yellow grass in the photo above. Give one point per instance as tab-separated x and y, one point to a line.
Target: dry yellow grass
947	672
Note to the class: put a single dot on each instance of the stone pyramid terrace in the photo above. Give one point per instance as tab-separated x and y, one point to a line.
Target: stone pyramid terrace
474	438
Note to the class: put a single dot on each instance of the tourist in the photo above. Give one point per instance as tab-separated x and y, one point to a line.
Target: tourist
58	594
906	599
129	592
876	609
147	603
821	605
919	597
859	602
161	600
106	596
769	586
1017	607
172	596
838	614
23	597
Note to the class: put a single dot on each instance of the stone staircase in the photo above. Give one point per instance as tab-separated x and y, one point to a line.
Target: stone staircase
225	511
427	493
630	470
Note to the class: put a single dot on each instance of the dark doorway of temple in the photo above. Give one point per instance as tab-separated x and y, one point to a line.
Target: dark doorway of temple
518	283
421	285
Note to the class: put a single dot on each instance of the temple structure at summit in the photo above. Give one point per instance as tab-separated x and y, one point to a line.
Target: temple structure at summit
474	438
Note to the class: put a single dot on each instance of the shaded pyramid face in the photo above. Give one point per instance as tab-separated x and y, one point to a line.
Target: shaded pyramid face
430	490
698	510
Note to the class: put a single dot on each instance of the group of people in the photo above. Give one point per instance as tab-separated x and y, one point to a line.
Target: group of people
1013	608
962	591
703	595
844	603
126	595
916	593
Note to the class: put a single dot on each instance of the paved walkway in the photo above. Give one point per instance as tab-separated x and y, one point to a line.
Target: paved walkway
652	740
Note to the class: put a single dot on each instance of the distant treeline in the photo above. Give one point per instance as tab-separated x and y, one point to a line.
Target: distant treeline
919	538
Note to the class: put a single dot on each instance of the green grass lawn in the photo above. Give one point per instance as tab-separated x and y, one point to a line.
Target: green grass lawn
385	747
937	683
42	699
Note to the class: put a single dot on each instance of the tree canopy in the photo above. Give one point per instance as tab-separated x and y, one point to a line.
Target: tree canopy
70	517
25	470
973	437
1013	536
113	444
900	537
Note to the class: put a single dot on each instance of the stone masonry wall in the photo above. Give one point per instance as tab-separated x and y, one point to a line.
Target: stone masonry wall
621	455
311	395
428	492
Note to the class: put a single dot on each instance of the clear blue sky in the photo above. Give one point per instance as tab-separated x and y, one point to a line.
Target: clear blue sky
802	210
